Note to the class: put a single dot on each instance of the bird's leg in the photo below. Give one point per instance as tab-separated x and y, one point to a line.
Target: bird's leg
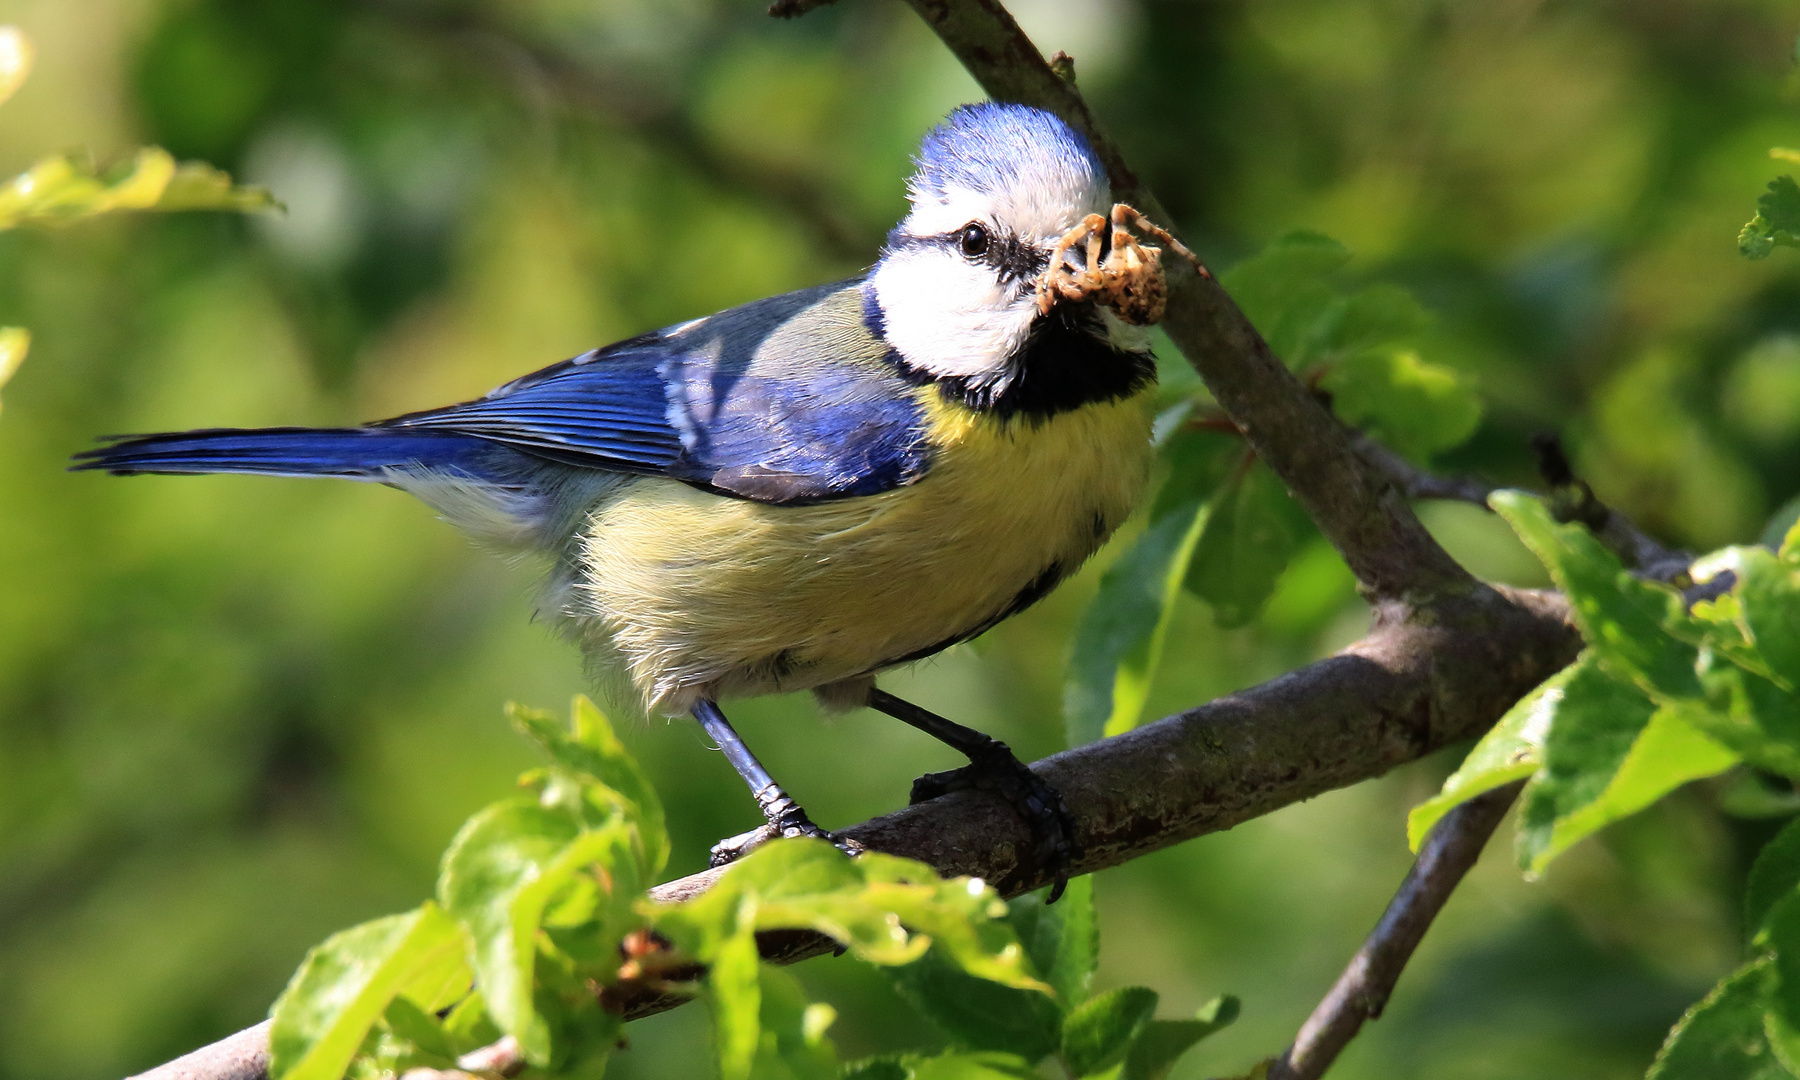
993	767
784	816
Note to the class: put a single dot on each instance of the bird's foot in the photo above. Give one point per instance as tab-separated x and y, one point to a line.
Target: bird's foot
786	818
998	770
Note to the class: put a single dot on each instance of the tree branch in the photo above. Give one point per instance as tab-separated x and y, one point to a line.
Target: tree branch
1362	991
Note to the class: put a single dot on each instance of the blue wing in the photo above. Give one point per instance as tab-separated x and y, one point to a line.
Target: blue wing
786	400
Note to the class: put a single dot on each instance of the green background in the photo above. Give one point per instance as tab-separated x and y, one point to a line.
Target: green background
237	714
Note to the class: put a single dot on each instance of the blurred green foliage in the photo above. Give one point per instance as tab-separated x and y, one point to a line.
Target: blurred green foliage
239	714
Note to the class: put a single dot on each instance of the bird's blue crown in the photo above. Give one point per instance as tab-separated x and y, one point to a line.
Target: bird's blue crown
994	146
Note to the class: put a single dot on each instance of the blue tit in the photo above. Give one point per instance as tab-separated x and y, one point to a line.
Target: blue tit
810	489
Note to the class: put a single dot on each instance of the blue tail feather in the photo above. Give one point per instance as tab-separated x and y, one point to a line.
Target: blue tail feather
356	453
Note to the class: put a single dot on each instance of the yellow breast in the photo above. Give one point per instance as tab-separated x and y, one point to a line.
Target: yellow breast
698	595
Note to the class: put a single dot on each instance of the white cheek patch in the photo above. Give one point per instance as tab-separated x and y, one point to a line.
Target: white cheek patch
950	316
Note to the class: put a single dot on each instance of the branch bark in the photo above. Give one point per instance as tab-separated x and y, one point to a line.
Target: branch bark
1362	991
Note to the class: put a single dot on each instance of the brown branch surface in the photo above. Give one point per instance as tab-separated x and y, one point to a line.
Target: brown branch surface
1362	991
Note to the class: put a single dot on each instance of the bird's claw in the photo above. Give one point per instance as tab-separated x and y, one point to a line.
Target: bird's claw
789	820
1040	805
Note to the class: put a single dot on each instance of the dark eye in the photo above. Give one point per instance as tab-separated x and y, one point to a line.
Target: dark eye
974	240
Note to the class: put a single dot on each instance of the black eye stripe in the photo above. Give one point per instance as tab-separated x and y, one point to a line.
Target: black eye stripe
1011	258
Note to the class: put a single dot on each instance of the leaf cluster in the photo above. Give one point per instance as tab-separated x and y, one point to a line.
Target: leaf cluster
542	925
1663	694
1777	220
1223	527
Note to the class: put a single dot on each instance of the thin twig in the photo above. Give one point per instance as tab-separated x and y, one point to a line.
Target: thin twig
1573	500
1419	483
1362	991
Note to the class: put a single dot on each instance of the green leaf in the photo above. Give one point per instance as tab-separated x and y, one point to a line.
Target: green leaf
1768	594
1777	220
1164	1041
1373	316
1593	724
500	874
1722	1036
735	993
61	189
1665	754
1246	542
1621	618
1782	925
1416	408
1119	642
344	985
591	750
976	1014
1774	875
878	1068
977	1066
1511	750
15	342
793	1044
1097	1034
1062	939
1283	290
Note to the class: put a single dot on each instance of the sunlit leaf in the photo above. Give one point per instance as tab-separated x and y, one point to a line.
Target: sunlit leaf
344	985
1723	1035
500	873
736	996
591	749
1777	220
1252	531
15	60
1511	750
1162	1042
793	1044
1119	642
1414	407
62	189
1768	594
1097	1034
1584	788
1621	618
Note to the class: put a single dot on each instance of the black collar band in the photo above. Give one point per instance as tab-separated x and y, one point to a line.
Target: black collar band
1066	363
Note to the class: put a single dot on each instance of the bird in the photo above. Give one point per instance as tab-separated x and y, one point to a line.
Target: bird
812	489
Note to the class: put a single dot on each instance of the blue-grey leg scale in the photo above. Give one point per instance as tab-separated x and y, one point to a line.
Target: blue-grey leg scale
783	815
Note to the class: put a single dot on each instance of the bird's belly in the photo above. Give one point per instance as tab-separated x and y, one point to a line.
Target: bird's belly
701	595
